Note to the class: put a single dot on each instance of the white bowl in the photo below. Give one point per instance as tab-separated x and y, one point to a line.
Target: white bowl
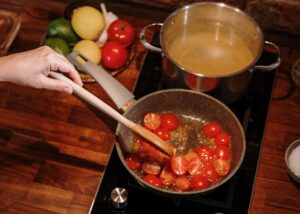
288	152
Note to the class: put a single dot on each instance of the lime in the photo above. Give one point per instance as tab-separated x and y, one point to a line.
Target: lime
89	49
62	28
58	44
87	22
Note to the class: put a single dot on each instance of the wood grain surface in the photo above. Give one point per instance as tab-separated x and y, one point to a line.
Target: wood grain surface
54	147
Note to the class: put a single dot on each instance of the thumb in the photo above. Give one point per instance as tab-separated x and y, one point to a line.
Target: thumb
57	85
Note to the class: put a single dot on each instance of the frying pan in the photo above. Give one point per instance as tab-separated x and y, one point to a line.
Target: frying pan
183	102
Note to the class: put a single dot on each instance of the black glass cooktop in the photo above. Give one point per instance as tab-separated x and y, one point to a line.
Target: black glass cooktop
232	197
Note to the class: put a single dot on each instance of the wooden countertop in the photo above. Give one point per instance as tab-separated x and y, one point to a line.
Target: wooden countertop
54	147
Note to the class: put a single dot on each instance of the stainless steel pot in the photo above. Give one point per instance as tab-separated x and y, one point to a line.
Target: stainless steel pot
210	46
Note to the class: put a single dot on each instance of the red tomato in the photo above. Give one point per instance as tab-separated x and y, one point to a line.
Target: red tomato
152	168
212	129
223	139
179	165
114	55
133	162
210	173
167	176
169	121
121	31
153	180
162	133
205	153
195	166
222	152
151	121
222	166
183	183
200	182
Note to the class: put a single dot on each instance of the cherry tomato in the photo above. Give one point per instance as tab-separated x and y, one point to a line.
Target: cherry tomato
183	183
205	153
222	152
167	176
169	121
121	31
179	165
200	182
212	129
153	180
162	133
223	139
195	166
133	162
114	55
151	121
210	173
222	167
152	168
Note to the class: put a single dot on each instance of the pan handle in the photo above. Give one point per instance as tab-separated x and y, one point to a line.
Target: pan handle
144	41
120	95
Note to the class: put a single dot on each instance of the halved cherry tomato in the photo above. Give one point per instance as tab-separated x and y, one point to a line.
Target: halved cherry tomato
179	165
151	121
210	173
121	31
195	166
200	182
167	176
169	121
212	129
222	139
183	183
114	55
153	180
222	167
152	168
222	152
205	153
162	133
133	162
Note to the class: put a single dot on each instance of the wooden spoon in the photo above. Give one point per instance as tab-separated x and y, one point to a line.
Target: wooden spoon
99	104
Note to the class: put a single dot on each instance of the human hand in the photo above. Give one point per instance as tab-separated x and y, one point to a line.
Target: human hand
32	68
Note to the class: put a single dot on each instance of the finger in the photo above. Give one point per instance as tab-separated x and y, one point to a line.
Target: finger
57	85
63	65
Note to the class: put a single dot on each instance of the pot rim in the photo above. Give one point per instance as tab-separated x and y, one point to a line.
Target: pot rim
192	192
222	5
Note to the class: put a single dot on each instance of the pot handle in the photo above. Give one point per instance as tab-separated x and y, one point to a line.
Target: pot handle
143	39
120	95
272	66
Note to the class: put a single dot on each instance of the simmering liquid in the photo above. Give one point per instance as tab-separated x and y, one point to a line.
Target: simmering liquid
210	54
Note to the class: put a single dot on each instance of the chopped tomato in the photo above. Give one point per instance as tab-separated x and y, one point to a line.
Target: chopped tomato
205	153
222	167
183	183
210	173
152	168
162	133
169	121
153	180
212	129
222	152
200	182
222	139
133	162
167	176
151	121
179	165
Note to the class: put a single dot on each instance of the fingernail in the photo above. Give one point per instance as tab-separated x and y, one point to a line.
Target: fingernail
68	90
